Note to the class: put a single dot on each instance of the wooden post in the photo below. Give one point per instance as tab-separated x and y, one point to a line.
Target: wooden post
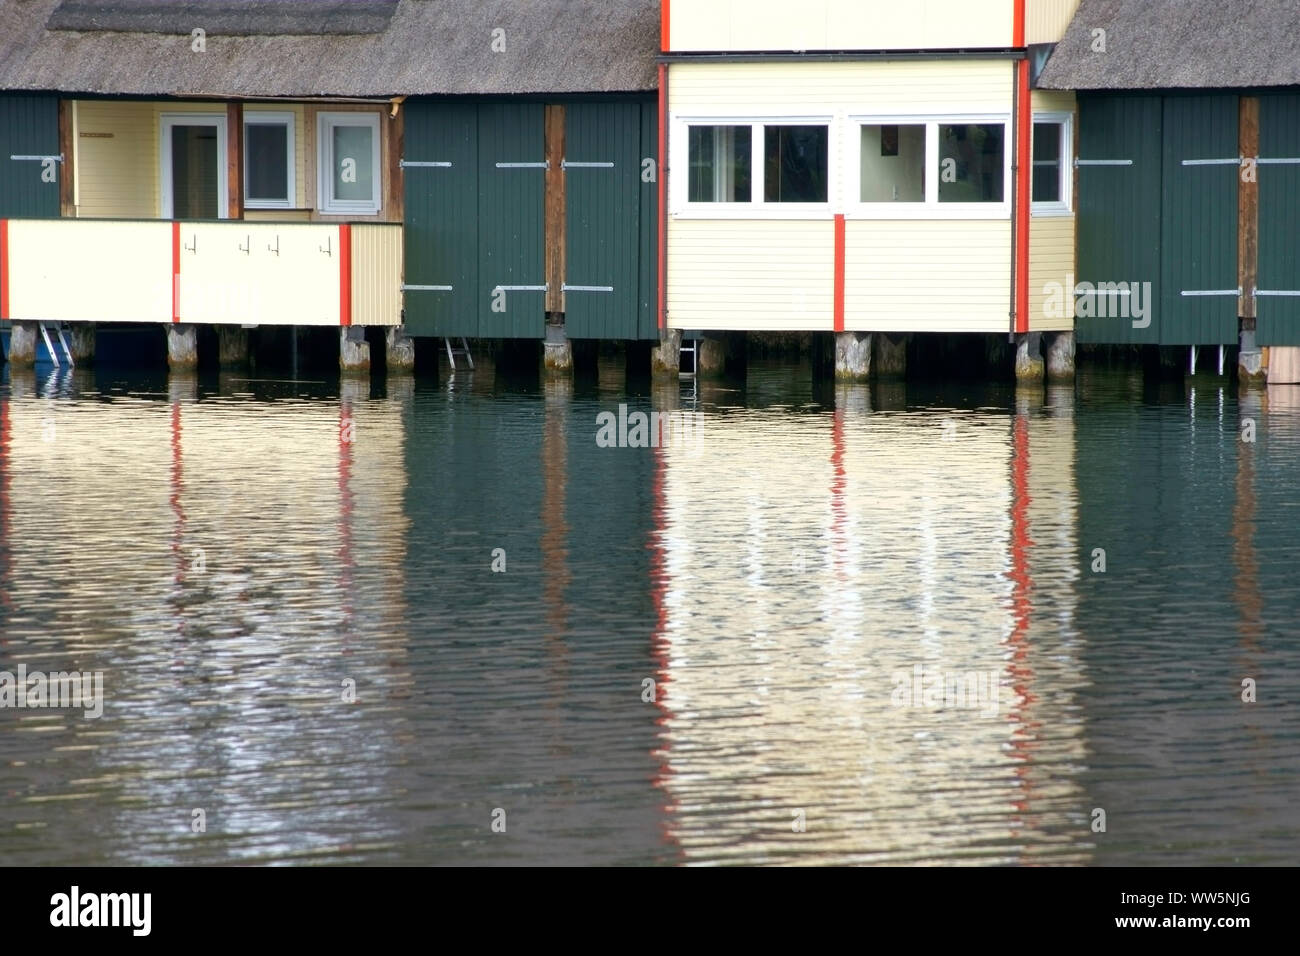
555	225
235	159
67	209
1248	206
393	198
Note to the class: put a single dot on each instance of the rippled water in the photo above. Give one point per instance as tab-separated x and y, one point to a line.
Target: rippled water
698	653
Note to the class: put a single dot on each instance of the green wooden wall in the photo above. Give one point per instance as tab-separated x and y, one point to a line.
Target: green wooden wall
478	224
1158	200
29	126
1277	319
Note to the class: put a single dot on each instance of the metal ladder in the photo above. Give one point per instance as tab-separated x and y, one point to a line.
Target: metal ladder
463	350
49	346
695	356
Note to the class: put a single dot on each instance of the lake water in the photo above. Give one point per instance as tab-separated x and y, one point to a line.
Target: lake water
717	650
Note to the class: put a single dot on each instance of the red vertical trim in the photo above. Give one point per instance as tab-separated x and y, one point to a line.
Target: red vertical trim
347	560
4	268
1027	734
1018	25
1024	179
661	583
178	509
839	272
345	274
176	272
6	518
662	175
665	25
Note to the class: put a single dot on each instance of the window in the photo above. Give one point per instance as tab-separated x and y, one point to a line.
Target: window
917	167
269	161
752	169
971	161
795	160
893	163
348	153
719	163
1053	145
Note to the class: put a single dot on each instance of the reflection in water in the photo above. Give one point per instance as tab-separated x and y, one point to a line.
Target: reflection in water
880	543
693	653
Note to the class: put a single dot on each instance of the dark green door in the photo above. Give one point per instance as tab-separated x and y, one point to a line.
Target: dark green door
1277	301
440	235
511	199
1119	219
1198	243
602	203
29	129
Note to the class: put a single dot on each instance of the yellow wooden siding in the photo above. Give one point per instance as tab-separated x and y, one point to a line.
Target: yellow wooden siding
1050	100
90	271
745	25
289	276
116	160
1046	20
376	275
888	88
1051	260
927	276
745	274
277	215
117	175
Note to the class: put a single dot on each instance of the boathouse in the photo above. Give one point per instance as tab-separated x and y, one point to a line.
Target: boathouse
1188	173
869	168
484	168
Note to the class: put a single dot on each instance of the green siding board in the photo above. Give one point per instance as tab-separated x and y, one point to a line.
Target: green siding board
648	231
1119	209
1198	241
29	126
441	233
511	210
1278	317
475	226
602	210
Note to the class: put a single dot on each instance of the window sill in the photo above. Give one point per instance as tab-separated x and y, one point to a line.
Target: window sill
1050	211
774	211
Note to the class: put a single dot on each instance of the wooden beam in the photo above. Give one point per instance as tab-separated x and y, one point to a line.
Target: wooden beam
67	208
1248	206
555	225
394	127
235	159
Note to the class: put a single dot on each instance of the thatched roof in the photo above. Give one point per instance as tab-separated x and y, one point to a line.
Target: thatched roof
1178	44
228	18
143	47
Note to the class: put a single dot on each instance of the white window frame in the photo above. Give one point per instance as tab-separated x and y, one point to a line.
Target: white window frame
680	205
326	204
931	207
1064	207
272	118
165	123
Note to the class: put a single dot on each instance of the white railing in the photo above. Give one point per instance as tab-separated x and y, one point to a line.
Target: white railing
236	272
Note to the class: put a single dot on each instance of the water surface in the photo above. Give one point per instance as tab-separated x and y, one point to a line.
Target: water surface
691	653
